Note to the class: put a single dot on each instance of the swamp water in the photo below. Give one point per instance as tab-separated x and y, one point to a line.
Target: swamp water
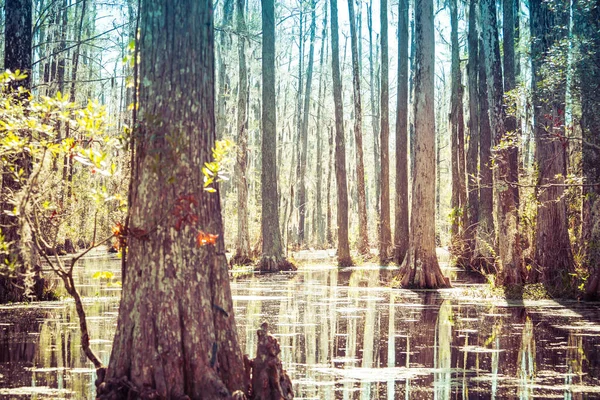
342	336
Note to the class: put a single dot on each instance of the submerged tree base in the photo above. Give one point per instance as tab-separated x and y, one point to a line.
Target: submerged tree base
275	264
265	371
421	271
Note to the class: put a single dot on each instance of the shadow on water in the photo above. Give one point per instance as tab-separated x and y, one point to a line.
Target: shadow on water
343	336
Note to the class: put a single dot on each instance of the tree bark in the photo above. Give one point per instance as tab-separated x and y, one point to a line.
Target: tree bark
17	56
344	258
242	244
486	238
385	236
363	234
272	259
319	164
420	267
304	131
457	144
401	218
553	256
176	334
223	78
374	115
473	149
510	268
587	24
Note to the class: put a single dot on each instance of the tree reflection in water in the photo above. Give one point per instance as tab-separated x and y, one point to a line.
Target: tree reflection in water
343	336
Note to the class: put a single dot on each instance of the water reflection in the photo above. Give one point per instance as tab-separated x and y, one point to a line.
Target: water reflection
342	336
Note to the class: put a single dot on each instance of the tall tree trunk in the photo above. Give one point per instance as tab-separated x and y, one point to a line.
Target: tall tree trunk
553	256
374	115
272	259
363	234
242	244
223	78
587	24
486	238
330	163
319	164
176	334
294	201
510	270
510	83
457	145
343	250
420	267
401	219
304	131
473	150
385	235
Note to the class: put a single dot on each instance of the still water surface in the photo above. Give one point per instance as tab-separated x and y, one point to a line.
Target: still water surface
342	336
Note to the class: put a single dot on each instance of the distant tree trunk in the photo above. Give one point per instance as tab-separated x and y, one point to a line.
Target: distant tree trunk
587	24
510	270
344	258
304	131
473	150
401	219
363	234
420	267
294	201
242	244
374	114
318	201
457	145
385	235
330	162
176	334
486	238
272	258
510	83
223	78
553	256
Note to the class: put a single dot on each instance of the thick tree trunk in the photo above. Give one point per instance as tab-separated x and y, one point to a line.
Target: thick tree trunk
17	56
510	268
401	219
553	256
272	258
457	144
587	24
363	234
420	267
344	258
242	244
385	235
304	131
473	150
176	334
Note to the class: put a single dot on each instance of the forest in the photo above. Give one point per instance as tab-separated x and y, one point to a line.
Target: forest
241	199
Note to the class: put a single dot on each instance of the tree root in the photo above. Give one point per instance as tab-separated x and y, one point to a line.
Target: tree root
273	264
240	259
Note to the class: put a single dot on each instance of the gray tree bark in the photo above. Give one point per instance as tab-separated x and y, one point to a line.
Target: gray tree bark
401	218
363	234
385	235
344	258
420	267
